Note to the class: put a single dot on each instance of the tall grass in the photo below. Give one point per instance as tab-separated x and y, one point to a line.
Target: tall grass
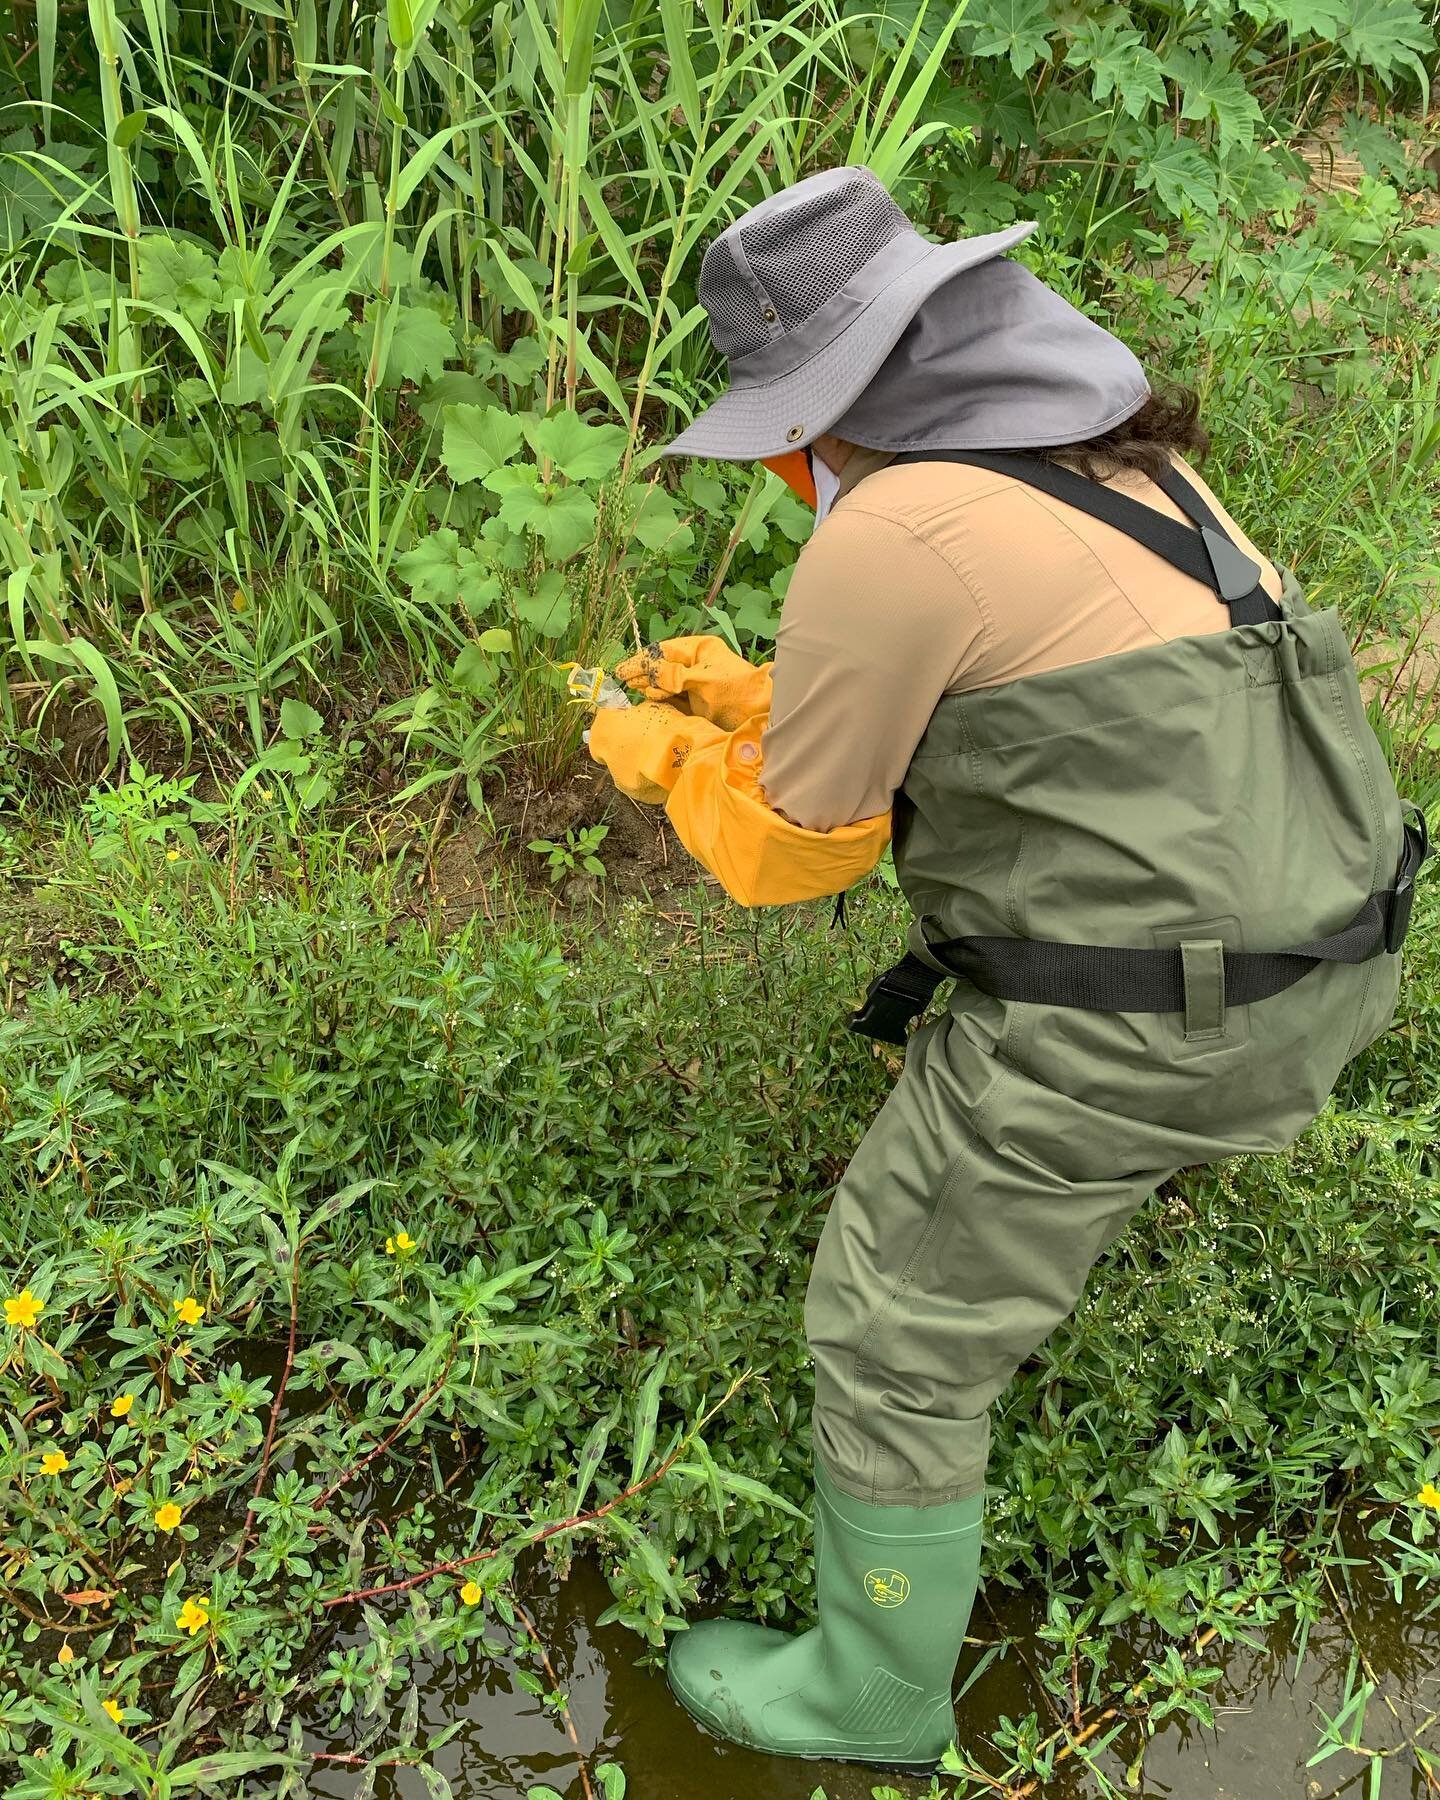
256	255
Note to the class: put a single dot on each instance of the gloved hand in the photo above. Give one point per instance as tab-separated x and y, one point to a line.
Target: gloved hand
722	817
703	672
645	747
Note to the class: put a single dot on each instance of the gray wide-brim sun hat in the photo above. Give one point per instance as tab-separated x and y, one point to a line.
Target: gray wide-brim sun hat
809	293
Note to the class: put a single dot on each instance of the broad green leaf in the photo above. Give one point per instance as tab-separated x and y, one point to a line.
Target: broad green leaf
580	451
547	609
421	346
1386	35
1255	183
298	721
246	379
1381	153
655	522
1018	29
477	440
441	570
301	303
1010	113
562	517
981	198
1181	176
179	275
704	490
1210	92
473	671
752	609
521	363
1121	63
1310	18
496	641
453	387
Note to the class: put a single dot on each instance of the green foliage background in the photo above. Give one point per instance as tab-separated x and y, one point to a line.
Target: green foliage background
335	349
298	301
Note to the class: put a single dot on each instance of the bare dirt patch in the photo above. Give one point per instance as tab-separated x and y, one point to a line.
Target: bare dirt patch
642	856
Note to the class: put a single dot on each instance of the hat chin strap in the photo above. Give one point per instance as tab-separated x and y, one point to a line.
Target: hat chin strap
795	471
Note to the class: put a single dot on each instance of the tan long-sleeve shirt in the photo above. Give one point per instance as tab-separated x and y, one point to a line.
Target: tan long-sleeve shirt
936	578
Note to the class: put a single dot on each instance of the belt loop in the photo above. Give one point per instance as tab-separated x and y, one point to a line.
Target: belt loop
1202	963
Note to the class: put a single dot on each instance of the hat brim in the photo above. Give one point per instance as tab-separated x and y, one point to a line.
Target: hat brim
788	413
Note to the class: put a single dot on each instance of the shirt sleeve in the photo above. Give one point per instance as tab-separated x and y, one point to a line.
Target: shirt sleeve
876	626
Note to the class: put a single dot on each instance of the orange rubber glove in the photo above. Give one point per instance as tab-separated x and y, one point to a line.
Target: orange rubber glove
722	818
703	672
646	747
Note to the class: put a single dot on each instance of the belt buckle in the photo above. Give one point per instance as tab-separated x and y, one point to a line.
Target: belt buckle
1402	900
887	1011
883	1014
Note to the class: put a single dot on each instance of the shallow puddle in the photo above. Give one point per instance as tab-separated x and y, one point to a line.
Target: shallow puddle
1267	1723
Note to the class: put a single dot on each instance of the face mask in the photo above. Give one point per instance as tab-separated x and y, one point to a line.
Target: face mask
809	476
827	486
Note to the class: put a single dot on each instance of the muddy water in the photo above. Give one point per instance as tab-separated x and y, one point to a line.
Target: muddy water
1267	1725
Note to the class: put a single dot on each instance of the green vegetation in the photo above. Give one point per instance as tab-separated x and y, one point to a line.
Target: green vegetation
334	350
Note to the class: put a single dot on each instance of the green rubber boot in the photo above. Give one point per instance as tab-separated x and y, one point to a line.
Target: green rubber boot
871	1682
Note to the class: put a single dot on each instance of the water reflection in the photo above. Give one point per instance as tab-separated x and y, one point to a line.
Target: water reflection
1267	1724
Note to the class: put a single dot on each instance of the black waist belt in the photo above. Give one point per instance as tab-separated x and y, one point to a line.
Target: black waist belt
1104	979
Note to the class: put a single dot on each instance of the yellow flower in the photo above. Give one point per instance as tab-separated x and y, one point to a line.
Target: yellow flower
401	1243
56	1462
194	1616
1429	1495
121	1405
190	1310
23	1310
65	1654
172	856
239	600
168	1517
115	1710
471	1594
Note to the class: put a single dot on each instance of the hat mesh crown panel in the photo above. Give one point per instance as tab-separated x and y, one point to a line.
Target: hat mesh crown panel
737	323
801	255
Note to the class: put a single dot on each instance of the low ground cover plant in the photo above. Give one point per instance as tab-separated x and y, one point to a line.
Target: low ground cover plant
355	1259
349	1266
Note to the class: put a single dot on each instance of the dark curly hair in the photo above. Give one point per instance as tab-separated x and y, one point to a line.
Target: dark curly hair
1167	422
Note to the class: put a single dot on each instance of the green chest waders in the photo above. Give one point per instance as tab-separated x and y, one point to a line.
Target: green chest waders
1169	887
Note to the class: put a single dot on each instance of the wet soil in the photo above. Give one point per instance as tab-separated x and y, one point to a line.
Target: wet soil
1268	1717
642	856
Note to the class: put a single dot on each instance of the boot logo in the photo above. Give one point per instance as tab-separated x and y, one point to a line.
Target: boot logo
887	1587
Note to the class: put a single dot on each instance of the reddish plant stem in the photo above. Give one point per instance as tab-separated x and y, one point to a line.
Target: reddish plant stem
278	1402
554	1679
389	1437
547	1531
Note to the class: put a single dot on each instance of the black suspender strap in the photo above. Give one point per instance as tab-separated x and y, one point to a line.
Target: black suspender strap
1201	550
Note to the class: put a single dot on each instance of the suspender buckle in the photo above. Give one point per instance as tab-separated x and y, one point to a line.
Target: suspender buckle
894	999
1402	899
